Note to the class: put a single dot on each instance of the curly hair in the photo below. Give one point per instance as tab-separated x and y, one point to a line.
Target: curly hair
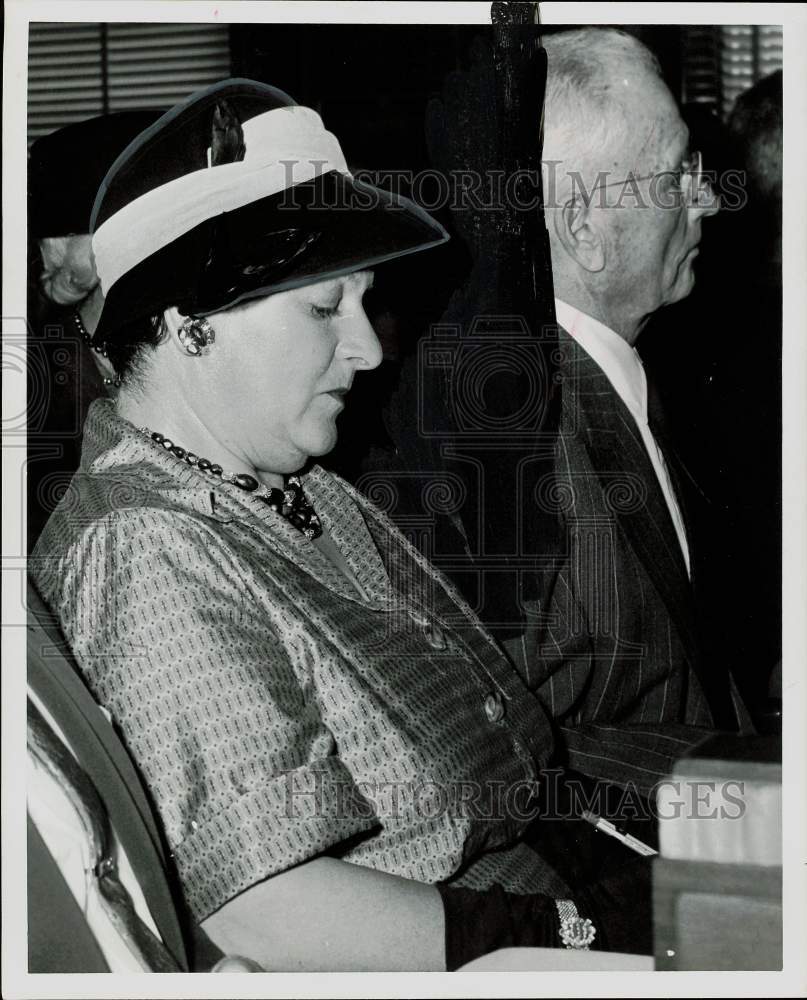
68	269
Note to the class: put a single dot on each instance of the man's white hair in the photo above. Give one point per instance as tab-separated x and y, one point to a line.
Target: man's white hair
583	118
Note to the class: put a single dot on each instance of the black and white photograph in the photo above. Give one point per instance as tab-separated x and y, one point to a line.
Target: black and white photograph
404	494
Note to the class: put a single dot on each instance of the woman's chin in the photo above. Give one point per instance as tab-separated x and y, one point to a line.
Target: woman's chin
318	443
324	447
296	452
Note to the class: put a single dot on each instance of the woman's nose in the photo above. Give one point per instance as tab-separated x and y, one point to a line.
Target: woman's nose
361	344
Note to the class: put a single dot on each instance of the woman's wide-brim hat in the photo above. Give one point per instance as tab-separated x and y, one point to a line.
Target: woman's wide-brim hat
237	193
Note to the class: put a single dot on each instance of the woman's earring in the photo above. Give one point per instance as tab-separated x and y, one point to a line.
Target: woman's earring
196	335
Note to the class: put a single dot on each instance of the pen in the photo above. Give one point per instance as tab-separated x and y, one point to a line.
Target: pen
629	841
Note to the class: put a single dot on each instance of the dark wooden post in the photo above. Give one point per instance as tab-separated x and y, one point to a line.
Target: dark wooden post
497	339
520	71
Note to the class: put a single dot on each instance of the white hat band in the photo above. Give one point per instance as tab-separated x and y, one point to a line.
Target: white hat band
284	147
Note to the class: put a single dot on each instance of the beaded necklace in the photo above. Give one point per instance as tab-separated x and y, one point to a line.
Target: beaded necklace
291	502
85	335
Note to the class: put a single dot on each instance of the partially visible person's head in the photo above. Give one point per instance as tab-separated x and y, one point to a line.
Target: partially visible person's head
66	167
65	170
68	269
623	232
234	250
755	125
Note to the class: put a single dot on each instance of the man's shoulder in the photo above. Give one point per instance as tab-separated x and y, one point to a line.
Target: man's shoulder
588	397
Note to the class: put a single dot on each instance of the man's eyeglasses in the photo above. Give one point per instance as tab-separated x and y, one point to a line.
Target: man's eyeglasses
688	184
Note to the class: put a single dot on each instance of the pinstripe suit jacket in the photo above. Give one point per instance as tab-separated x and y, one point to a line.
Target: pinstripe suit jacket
612	640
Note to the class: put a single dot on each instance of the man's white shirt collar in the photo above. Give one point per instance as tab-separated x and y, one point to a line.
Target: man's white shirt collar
620	362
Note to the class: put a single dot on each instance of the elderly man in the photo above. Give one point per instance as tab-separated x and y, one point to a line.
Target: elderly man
607	635
613	643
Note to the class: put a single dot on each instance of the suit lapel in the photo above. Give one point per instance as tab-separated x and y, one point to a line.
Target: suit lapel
618	455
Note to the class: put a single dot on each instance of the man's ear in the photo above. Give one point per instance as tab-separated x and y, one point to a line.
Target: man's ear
578	231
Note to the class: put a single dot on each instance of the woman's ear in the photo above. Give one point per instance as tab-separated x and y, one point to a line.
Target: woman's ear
193	335
172	321
578	230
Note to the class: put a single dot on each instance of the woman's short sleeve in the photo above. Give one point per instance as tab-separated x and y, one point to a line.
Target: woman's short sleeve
226	731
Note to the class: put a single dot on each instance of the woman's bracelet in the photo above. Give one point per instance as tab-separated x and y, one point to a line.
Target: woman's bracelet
575	931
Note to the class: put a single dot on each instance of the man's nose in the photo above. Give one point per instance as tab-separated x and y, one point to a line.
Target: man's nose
705	201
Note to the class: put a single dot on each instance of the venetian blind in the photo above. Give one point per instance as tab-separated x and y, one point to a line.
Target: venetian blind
65	75
76	71
720	62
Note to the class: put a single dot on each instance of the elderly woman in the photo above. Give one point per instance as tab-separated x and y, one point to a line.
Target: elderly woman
65	169
339	754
